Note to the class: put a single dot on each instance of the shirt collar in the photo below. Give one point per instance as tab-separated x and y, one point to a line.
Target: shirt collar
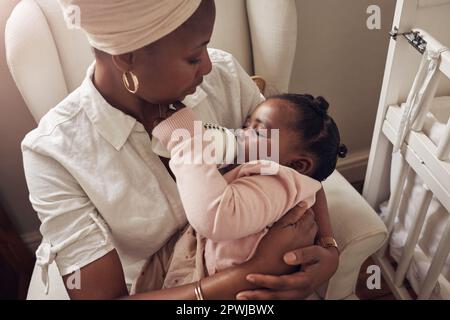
195	99
112	124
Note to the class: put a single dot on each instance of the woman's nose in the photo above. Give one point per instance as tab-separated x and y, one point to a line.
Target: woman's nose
206	66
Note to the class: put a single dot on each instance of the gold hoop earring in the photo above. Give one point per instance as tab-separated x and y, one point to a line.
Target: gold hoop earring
127	83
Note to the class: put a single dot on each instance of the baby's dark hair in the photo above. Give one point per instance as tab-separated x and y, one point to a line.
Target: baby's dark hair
319	133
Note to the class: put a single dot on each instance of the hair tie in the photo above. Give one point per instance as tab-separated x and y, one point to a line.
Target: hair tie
342	151
321	106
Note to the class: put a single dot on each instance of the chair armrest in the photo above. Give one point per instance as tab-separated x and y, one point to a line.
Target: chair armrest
359	232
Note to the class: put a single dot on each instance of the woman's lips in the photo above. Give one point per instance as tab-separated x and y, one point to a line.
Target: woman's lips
192	90
198	83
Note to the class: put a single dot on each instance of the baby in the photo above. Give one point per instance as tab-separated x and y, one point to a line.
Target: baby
234	211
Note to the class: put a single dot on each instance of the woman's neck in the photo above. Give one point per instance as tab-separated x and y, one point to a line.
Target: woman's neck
110	86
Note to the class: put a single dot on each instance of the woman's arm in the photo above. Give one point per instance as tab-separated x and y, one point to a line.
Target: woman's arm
97	284
104	279
322	215
318	265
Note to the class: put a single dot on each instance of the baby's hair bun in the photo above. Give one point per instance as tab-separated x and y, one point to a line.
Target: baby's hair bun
321	105
342	151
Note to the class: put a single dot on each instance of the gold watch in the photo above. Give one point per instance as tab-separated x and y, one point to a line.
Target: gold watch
329	242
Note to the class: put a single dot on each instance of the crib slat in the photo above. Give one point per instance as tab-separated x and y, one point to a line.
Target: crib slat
413	236
437	264
443	150
394	203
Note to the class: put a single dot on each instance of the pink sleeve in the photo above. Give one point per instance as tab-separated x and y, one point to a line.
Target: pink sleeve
223	211
181	123
253	201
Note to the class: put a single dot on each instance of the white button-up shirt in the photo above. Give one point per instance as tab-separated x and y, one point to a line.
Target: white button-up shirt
97	185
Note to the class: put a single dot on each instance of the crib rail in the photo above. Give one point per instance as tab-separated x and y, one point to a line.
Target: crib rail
421	40
420	157
436	265
419	153
413	237
412	166
443	149
437	183
444	65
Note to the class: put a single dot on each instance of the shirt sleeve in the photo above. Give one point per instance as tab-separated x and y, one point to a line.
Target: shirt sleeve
251	96
234	89
74	233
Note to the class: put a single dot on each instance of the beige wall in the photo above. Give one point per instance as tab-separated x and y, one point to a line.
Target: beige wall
15	122
340	58
337	57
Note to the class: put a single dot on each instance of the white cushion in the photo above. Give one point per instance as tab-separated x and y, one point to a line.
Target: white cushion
74	51
358	230
26	34
231	32
274	38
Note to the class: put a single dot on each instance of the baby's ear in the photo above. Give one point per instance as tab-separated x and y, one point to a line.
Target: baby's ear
303	165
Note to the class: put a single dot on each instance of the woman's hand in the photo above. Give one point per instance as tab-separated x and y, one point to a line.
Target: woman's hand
297	229
318	266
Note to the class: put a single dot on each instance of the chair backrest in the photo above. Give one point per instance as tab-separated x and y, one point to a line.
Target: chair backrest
45	58
48	61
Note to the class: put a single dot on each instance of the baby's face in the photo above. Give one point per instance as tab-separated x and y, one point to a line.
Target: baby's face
260	125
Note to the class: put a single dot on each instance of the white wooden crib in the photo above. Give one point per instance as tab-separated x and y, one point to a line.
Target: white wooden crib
411	187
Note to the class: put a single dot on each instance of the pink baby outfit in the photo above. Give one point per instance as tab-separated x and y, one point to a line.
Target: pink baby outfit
232	211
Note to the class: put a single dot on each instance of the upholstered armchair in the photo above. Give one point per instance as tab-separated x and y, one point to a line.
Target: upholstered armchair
48	61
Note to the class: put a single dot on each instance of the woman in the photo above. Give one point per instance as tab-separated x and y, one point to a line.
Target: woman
105	200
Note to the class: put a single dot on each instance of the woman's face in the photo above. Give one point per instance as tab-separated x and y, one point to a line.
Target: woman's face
173	67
